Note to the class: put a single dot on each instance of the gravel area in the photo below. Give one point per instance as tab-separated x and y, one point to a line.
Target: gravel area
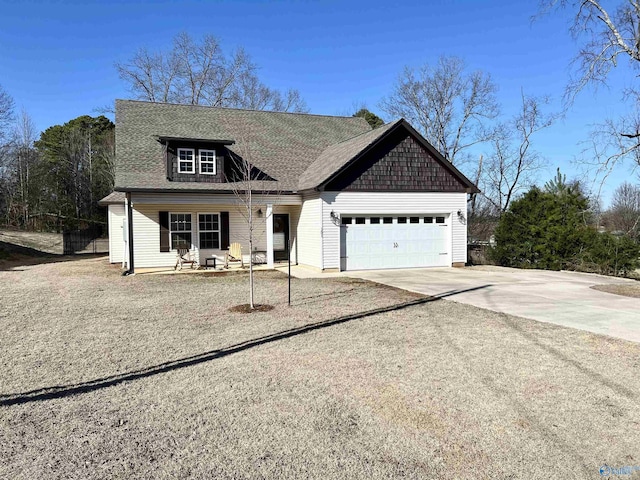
625	290
151	376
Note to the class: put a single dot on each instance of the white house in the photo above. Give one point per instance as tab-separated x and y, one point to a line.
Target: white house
343	196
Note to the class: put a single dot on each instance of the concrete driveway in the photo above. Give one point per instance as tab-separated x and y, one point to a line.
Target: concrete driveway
563	298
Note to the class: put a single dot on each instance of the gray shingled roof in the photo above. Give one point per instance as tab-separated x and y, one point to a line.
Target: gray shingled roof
112	198
283	145
336	156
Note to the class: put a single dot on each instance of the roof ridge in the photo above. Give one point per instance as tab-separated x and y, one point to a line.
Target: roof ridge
235	109
386	125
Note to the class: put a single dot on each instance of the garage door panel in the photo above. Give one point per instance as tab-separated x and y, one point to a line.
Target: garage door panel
395	245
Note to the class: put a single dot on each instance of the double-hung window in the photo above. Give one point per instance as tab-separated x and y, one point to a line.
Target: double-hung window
207	162
180	230
209	230
186	160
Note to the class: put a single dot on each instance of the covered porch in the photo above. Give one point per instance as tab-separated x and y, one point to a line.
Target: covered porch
207	228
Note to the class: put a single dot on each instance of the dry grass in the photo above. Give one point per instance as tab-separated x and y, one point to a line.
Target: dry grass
152	377
627	290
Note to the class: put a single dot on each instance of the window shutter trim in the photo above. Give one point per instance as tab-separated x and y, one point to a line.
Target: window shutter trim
165	245
224	230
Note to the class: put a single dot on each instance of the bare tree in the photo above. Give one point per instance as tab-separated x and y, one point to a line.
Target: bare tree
449	105
624	214
6	119
6	115
250	186
611	144
18	168
199	73
24	159
474	198
483	219
511	166
243	190
610	37
105	160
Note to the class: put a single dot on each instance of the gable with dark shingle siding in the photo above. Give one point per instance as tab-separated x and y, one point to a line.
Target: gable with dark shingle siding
399	163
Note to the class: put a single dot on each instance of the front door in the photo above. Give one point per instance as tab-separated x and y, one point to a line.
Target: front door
280	236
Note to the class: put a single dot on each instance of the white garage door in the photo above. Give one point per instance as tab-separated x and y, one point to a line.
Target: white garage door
371	242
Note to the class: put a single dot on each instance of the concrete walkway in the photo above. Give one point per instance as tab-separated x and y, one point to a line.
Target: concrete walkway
300	271
563	298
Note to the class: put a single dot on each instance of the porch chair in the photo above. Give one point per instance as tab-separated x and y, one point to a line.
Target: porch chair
234	254
184	255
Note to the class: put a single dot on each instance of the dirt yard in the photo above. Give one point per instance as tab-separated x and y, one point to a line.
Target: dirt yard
38	241
106	376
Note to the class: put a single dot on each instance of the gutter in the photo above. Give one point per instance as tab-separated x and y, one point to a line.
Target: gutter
131	270
210	191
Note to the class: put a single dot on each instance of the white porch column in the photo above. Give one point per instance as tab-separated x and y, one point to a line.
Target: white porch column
269	217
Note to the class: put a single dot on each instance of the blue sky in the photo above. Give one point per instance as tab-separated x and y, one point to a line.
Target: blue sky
57	58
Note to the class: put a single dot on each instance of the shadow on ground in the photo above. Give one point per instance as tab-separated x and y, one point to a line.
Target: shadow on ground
13	256
61	391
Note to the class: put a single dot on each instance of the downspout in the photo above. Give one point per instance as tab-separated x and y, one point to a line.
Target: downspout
131	270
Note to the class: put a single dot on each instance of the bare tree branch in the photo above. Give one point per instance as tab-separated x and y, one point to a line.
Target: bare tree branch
199	73
6	114
512	164
251	187
449	106
608	35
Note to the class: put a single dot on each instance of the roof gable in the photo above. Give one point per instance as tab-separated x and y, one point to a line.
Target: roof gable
114	198
392	158
282	145
292	151
337	156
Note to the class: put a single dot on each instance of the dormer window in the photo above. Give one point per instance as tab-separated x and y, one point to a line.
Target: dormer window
207	162
186	160
196	159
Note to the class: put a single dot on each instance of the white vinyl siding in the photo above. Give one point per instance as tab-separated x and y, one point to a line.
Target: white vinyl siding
391	204
116	218
309	228
146	237
239	230
146	228
310	223
212	199
294	220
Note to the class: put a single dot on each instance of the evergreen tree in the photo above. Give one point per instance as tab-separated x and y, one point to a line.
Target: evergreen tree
541	230
549	230
78	162
371	118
